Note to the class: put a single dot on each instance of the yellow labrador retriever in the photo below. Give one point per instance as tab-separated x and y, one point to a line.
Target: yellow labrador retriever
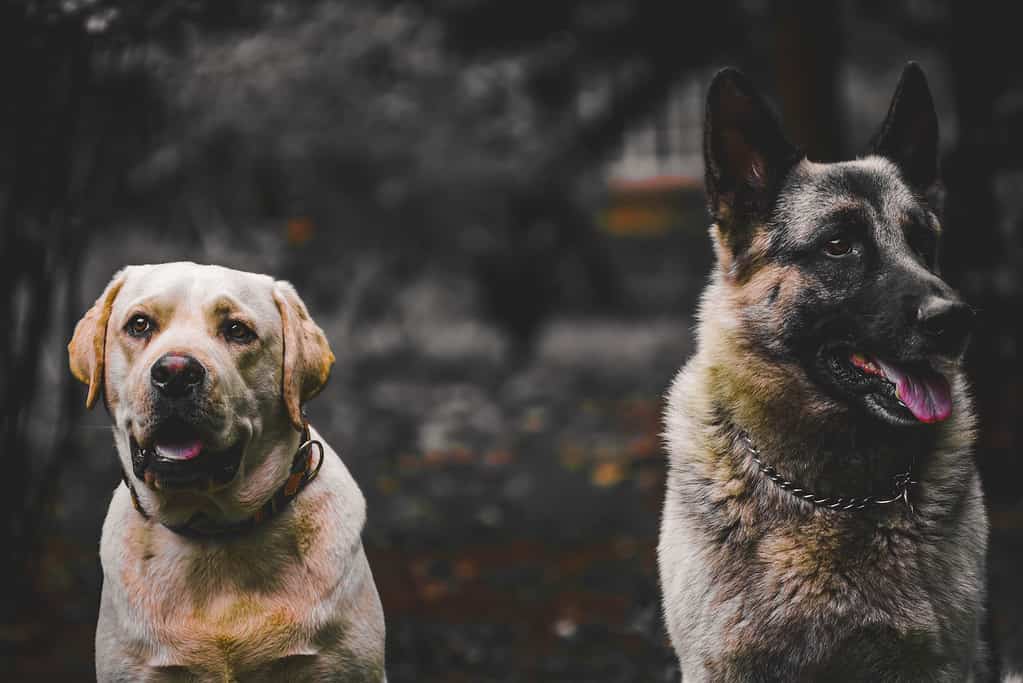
232	550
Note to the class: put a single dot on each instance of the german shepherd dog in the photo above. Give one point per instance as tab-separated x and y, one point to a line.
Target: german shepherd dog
824	518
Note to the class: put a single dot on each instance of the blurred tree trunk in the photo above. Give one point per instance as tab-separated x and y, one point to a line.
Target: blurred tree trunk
981	51
43	70
807	47
973	220
655	43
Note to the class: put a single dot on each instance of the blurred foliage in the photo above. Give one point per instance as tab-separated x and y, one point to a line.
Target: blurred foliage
348	113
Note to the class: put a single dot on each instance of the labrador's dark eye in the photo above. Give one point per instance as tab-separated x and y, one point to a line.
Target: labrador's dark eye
139	326
838	247
238	332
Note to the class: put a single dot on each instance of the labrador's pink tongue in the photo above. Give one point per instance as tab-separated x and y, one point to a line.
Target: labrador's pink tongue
179	451
926	393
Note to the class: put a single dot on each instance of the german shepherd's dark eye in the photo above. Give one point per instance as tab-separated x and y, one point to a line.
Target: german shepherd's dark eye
238	332
838	247
140	326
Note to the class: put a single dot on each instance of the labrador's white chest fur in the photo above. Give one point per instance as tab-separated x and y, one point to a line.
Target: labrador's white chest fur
294	599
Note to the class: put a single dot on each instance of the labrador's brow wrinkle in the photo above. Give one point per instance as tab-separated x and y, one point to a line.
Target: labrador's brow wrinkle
224	304
155	305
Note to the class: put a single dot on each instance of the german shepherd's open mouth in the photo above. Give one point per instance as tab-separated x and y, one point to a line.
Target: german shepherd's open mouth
177	457
904	392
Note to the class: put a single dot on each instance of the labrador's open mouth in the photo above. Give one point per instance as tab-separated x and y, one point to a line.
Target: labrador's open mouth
176	457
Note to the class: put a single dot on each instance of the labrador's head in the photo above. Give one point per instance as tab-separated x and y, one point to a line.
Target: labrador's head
204	370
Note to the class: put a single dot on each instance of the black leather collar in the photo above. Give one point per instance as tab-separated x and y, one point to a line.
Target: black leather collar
303	471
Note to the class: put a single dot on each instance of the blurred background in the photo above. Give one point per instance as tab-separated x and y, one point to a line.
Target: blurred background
495	211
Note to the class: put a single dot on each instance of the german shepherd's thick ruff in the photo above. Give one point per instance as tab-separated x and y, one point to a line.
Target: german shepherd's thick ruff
794	546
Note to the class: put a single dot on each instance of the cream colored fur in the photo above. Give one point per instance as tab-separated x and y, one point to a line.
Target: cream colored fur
290	600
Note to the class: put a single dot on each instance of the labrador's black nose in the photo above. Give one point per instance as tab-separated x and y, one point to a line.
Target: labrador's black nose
175	376
946	324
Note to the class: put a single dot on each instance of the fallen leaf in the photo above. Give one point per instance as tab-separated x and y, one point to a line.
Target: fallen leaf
300	230
607	474
465	569
497	457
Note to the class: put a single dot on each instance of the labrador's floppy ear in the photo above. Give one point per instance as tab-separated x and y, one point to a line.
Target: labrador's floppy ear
87	349
909	134
307	355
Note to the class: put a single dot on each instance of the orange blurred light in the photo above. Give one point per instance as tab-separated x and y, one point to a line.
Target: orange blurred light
300	230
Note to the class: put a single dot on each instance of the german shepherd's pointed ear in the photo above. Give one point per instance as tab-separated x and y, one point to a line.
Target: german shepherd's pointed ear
746	157
307	355
87	349
909	135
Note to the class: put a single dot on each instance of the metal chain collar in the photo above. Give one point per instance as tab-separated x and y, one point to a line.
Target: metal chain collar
901	485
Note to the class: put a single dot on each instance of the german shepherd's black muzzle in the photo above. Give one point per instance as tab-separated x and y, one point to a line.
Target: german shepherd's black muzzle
893	347
946	325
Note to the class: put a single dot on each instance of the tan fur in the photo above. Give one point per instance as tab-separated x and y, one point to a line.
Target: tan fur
292	599
86	350
307	356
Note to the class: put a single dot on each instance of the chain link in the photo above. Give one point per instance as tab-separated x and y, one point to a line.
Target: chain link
901	482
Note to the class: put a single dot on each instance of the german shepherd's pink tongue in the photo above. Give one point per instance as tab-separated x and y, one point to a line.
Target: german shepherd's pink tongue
926	393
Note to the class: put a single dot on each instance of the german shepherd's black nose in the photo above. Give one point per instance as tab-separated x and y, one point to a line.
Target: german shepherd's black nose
946	324
175	376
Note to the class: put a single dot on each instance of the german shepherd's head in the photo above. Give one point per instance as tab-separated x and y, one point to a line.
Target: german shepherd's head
834	266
